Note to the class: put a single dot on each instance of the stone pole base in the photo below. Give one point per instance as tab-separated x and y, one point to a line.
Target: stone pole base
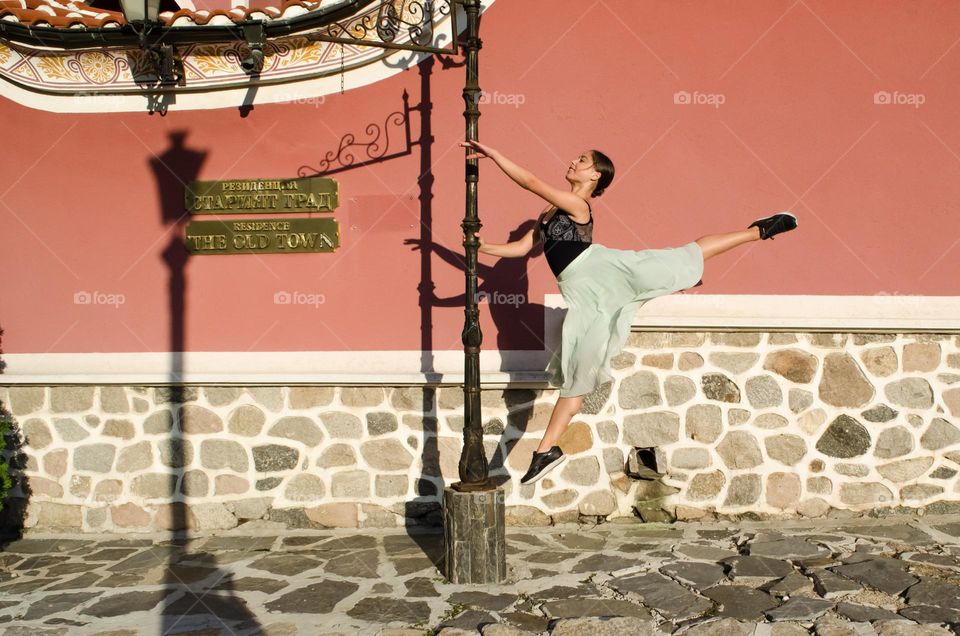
474	536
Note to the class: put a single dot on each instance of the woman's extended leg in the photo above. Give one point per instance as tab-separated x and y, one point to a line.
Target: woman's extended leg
713	244
765	228
563	412
548	455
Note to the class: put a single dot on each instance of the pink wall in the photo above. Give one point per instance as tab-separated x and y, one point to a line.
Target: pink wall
875	186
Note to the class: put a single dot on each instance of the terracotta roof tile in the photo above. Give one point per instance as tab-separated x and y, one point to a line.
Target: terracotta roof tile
73	14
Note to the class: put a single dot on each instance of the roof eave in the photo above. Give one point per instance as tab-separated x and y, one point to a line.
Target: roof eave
125	37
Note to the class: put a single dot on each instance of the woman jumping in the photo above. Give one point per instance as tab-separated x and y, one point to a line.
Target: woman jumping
602	287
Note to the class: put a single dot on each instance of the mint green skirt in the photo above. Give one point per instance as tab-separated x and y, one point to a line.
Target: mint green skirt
603	289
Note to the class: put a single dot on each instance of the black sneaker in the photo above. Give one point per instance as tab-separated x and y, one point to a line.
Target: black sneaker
542	464
775	224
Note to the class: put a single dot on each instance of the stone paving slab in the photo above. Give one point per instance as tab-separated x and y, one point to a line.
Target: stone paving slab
853	576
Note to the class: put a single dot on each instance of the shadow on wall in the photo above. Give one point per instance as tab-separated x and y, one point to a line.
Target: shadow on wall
424	511
504	289
176	167
14	487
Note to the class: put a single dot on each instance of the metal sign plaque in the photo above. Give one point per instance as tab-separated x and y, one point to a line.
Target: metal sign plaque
309	194
263	236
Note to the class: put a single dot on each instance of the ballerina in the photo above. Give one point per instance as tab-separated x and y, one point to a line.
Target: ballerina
602	287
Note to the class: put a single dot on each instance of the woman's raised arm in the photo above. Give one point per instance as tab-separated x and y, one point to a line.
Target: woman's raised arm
563	199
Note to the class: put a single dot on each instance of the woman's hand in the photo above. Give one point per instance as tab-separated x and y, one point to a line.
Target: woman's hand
482	151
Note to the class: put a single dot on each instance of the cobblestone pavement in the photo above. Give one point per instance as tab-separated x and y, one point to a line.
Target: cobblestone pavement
896	575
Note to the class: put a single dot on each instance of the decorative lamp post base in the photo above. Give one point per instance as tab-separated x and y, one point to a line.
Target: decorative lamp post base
474	536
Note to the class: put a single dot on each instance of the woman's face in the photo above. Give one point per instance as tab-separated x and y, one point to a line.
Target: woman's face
581	168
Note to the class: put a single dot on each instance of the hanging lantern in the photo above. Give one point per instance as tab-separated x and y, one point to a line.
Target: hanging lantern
140	10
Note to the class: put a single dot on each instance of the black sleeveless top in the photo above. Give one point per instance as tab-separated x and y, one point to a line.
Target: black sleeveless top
563	238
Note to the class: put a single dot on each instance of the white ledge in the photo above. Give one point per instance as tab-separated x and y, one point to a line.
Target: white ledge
880	312
342	368
683	312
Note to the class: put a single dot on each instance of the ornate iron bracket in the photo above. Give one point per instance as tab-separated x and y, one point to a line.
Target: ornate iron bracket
387	21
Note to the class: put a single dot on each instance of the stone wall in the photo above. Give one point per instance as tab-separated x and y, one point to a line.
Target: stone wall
756	423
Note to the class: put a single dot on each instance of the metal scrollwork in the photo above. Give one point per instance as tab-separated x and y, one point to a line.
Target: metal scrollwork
421	31
386	20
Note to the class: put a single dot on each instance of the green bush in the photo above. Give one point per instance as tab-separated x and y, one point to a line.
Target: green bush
5	425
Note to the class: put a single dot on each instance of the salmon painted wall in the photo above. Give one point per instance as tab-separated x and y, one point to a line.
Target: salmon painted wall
715	113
